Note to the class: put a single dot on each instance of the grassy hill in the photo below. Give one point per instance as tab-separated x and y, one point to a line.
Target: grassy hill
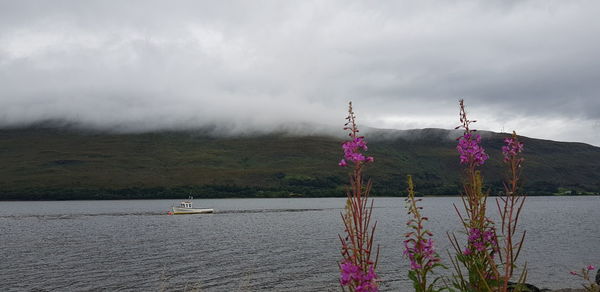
63	163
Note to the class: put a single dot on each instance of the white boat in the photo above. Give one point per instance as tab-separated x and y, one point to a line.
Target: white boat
185	207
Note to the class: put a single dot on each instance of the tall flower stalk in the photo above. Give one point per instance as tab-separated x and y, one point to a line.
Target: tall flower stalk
357	269
490	255
418	245
510	204
477	257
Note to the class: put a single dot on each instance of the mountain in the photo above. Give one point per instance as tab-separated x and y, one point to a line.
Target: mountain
69	163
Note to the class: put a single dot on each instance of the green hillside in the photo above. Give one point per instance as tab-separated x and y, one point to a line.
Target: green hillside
55	163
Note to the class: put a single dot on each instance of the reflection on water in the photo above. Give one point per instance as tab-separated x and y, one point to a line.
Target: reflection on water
252	244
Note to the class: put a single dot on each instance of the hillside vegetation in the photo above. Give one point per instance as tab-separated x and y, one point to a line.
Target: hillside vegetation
61	163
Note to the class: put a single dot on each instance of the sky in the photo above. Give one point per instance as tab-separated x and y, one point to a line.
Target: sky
261	66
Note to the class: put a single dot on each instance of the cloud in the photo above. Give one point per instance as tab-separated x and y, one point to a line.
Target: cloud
246	66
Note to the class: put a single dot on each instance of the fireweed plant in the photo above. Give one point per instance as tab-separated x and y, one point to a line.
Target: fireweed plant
418	245
482	245
510	204
357	269
590	286
488	257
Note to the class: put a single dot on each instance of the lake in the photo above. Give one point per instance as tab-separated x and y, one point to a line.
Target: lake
253	244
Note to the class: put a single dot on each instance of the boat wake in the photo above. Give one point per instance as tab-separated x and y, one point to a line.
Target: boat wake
273	210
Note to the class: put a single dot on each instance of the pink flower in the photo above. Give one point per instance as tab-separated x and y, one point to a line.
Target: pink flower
349	272
590	267
479	246
488	236
511	149
367	287
352	151
573	273
470	151
422	250
414	265
480	241
474	234
352	274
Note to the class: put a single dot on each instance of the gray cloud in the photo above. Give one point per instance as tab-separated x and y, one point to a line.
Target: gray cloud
271	65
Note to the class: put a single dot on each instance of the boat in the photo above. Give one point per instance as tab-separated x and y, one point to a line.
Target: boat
185	207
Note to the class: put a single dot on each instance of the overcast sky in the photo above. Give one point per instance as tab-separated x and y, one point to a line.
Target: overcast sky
530	66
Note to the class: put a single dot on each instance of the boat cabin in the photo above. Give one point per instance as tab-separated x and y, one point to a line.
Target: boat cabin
185	204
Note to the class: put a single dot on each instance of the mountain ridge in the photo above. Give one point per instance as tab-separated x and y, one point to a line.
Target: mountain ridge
67	163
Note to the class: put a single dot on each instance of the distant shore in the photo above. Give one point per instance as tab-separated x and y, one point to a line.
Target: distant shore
177	196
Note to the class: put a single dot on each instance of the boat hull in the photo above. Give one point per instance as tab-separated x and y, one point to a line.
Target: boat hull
185	211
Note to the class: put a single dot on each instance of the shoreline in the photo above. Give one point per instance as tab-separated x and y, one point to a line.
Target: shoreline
240	197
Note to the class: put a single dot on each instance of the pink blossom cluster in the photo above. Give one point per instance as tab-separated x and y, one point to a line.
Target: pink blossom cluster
511	149
470	150
480	240
352	151
353	275
420	251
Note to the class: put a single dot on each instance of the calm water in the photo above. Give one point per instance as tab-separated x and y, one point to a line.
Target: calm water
250	244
